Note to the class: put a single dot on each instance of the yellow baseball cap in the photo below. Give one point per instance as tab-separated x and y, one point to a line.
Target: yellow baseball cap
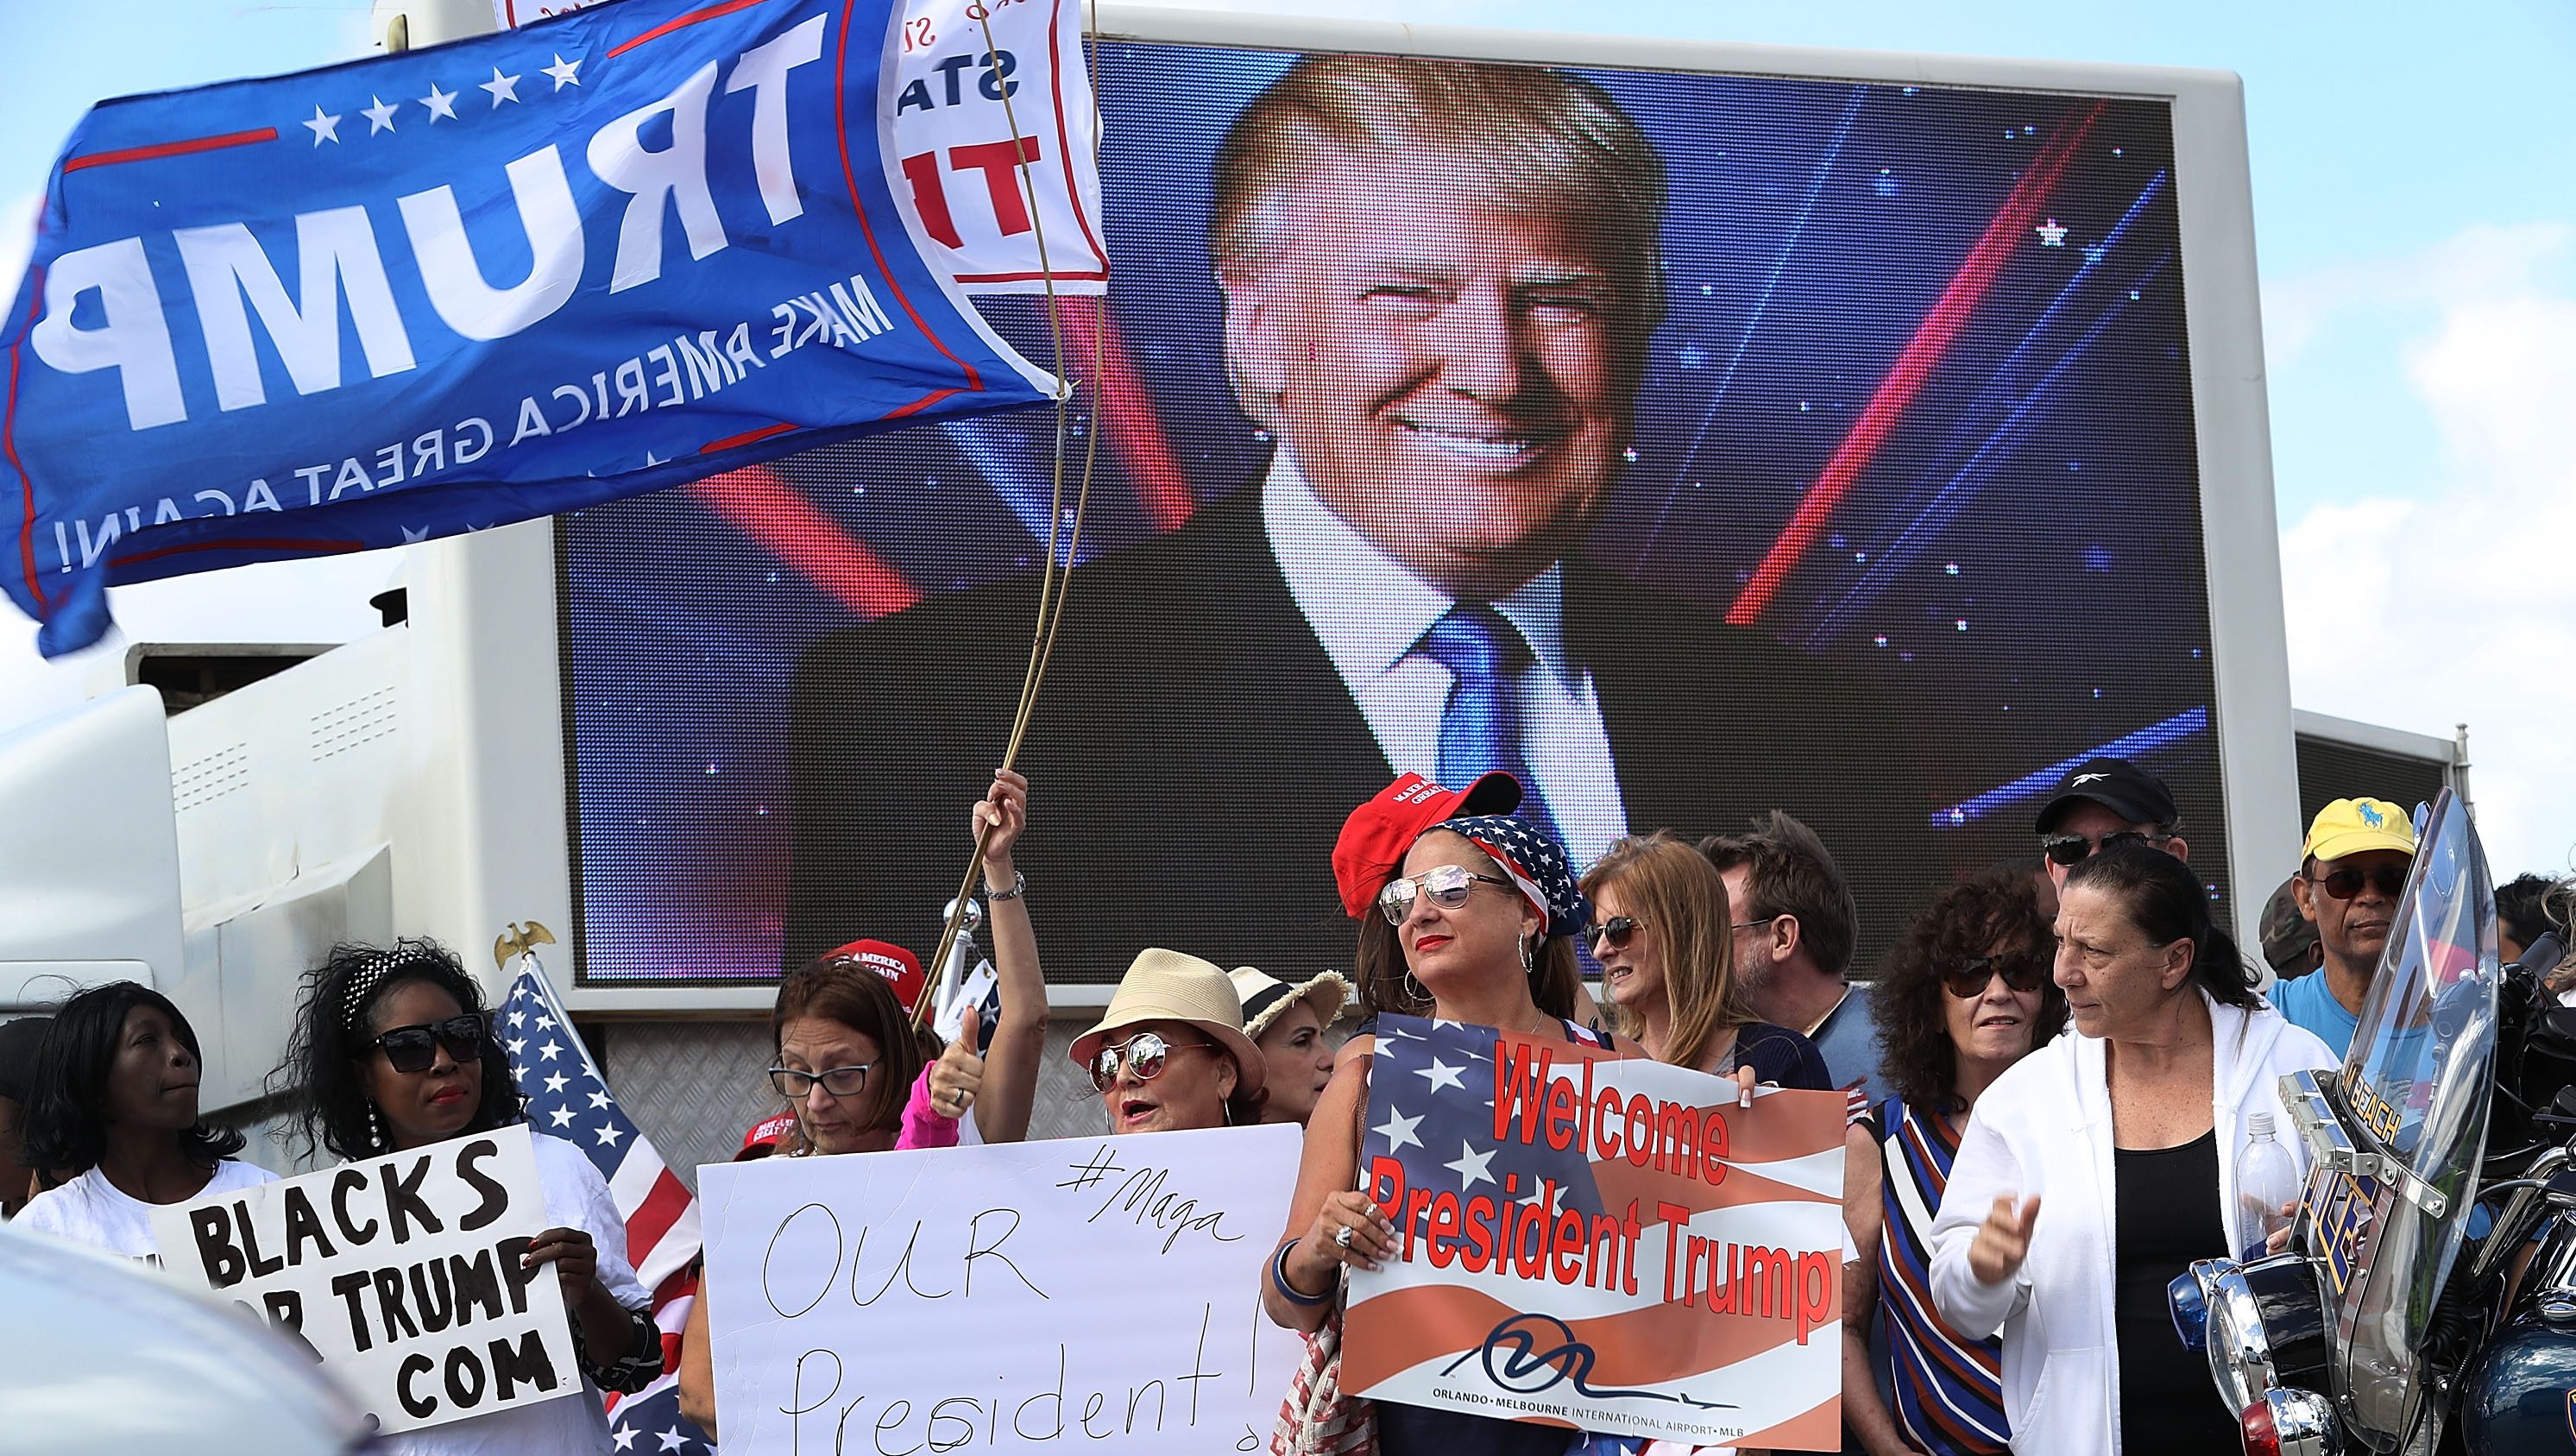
2358	826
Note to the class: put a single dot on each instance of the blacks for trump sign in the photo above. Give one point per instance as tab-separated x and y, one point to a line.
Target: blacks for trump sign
402	1274
616	250
1601	1243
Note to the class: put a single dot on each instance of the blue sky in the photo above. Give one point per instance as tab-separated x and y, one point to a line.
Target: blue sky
2417	238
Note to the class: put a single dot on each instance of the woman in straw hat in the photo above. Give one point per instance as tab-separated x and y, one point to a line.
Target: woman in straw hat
1468	916
1170	1054
1287	1022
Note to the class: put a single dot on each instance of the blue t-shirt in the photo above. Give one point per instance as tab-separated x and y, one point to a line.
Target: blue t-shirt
2309	1002
1848	1041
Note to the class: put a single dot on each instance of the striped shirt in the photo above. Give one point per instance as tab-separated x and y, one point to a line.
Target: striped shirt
1948	1388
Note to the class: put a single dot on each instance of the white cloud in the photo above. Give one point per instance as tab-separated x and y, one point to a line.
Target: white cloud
2478	264
2455	604
17	240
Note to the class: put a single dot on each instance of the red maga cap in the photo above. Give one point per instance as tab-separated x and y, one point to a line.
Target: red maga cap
1376	837
893	962
765	1136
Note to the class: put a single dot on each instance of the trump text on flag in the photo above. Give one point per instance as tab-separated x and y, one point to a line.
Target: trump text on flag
1604	1243
620	249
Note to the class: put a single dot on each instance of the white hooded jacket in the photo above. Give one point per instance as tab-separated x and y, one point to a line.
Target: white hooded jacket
2044	1128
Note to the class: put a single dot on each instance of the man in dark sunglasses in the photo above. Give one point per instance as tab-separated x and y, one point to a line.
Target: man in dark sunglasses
2352	871
2105	801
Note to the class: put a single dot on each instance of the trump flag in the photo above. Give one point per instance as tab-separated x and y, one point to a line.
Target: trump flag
619	249
1606	1244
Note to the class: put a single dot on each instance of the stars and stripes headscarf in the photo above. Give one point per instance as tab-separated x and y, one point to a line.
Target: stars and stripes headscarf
1536	864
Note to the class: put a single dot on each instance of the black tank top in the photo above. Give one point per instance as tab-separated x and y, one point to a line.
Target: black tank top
2165	1215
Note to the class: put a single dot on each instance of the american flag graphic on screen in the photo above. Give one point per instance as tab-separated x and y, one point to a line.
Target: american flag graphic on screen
569	1099
1603	1243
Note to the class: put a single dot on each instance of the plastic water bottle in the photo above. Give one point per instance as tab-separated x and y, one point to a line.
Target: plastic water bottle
2266	1183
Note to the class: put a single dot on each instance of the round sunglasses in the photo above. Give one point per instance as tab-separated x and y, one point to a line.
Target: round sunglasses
414	1048
1145	1054
2023	971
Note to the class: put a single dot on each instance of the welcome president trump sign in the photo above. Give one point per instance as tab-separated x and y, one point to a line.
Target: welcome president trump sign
617	250
1606	1244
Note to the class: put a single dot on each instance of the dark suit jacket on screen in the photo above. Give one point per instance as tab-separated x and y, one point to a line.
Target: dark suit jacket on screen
1193	754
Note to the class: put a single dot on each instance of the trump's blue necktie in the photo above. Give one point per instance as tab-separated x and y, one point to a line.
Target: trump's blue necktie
1480	727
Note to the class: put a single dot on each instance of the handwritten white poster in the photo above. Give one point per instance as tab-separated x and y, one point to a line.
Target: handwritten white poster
1025	1297
401	1273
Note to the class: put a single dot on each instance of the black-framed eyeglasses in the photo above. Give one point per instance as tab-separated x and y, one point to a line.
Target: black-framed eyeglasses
2022	971
2074	849
414	1048
1613	932
795	1085
1447	885
2389	880
1145	1054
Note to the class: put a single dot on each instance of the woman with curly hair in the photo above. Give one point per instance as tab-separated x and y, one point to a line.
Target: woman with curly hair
393	1050
1965	995
112	1097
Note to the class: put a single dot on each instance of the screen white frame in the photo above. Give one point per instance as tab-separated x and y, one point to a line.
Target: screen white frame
490	589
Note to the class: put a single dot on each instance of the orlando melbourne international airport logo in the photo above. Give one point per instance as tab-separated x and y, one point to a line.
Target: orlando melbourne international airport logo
1531	1354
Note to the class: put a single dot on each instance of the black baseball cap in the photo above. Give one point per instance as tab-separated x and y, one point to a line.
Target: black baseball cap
18	1041
2116	784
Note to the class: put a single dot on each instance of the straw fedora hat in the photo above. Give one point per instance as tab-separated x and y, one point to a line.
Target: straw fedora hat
1165	985
1266	998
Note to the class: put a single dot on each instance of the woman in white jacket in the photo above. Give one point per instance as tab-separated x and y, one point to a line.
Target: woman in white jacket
2126	1129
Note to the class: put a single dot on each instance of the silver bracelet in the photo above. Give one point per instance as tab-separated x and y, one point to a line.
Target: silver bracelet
1019	887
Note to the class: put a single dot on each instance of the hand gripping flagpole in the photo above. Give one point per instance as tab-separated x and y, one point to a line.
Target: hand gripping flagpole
1053	587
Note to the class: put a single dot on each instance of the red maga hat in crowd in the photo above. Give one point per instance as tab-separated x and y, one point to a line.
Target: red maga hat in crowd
1377	835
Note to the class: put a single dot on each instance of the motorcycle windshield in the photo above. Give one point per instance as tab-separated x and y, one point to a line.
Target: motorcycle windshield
2413	1089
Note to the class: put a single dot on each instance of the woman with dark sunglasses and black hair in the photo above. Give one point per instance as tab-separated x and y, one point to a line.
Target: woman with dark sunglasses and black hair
1965	995
1660	930
393	1050
113	1098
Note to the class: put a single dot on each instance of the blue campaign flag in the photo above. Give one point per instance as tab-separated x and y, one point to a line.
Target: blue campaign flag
617	250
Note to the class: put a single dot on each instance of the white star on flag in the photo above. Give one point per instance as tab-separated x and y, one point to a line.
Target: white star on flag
545	1022
380	117
670	1439
440	103
555	1081
517	1045
608	1135
562	1116
599	1099
563	71
1440	1074
550	1050
414	538
625	1437
517	1018
1398	1130
325	126
1471	1167
503	88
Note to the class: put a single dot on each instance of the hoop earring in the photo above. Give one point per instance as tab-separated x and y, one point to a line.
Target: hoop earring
1529	957
1413	988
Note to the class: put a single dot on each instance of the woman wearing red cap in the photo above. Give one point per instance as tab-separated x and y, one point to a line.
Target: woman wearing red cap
860	1079
1468	916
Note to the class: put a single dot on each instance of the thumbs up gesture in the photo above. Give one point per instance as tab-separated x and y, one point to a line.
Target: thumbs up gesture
959	1073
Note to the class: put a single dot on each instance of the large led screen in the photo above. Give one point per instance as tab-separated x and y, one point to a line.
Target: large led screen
1731	443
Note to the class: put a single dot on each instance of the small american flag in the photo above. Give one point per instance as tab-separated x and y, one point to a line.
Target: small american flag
567	1098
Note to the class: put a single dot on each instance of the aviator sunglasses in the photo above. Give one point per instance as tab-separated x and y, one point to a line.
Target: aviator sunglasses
413	1048
2389	880
2074	849
1144	1054
1447	885
2026	971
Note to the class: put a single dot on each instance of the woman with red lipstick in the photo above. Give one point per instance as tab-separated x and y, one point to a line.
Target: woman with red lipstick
393	1050
1964	996
1468	916
113	1099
